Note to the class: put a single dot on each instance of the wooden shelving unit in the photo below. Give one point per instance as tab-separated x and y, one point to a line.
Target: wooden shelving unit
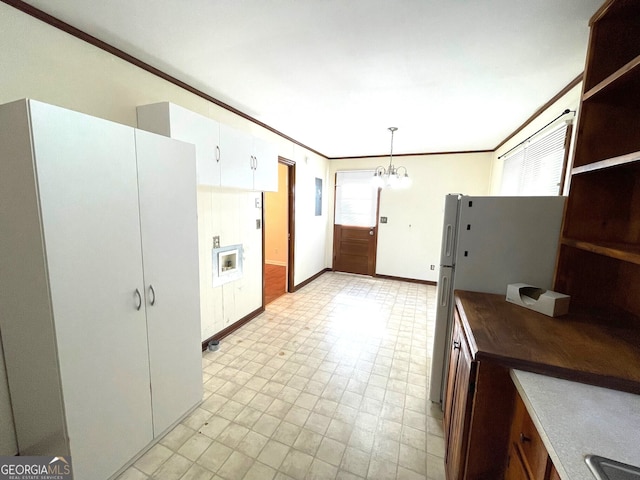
599	259
627	253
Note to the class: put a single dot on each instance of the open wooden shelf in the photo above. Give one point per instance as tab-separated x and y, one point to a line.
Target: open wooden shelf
604	206
609	123
619	161
598	282
599	256
620	251
614	40
629	73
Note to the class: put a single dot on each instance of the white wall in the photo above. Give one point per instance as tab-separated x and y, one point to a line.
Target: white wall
310	235
46	64
570	100
410	242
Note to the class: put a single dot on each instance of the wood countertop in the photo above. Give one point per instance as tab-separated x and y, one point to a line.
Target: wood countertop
573	347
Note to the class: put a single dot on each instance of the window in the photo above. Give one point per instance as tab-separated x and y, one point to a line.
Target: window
536	168
356	199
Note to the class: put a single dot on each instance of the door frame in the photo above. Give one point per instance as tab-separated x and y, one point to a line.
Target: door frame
291	223
291	227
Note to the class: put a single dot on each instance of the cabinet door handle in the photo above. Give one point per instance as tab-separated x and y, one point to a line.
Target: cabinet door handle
524	438
456	345
255	162
139	304
218	153
153	295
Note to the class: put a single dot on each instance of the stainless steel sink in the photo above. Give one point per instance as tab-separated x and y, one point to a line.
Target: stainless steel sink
607	469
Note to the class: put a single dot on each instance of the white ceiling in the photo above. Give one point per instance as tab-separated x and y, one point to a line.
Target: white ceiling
452	75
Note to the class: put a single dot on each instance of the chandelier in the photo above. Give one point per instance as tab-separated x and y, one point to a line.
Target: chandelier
391	176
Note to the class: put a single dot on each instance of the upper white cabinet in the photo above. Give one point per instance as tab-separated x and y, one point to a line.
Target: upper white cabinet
177	122
227	157
247	162
99	286
265	166
236	158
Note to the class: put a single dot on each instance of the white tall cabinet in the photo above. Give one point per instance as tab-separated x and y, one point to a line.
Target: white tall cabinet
99	285
169	226
8	444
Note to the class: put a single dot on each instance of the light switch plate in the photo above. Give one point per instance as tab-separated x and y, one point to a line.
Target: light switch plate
258	224
258	203
216	241
383	219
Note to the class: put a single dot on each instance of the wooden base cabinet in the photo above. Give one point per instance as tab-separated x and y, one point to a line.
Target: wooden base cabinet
99	285
459	395
477	414
528	457
488	432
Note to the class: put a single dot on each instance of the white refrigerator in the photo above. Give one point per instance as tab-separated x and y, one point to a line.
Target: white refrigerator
488	243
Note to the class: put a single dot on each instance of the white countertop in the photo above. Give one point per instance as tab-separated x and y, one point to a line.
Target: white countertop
575	420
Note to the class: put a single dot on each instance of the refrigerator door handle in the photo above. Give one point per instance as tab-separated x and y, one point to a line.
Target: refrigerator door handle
444	292
448	239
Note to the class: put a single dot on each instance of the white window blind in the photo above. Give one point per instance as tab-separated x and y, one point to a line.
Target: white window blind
356	199
536	168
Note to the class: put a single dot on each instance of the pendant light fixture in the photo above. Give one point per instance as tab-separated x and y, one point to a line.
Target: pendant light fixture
391	176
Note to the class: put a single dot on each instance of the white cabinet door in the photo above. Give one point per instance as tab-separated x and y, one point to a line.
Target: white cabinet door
177	122
167	192
204	133
265	174
225	156
235	158
8	445
88	194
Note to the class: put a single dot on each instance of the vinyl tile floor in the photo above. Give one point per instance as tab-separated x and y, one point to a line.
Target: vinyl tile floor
330	382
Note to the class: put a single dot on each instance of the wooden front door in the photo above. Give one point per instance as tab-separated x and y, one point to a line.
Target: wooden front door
355	229
354	249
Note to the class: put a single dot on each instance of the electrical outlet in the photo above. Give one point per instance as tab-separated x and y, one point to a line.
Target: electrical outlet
432	267
216	241
258	224
383	219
